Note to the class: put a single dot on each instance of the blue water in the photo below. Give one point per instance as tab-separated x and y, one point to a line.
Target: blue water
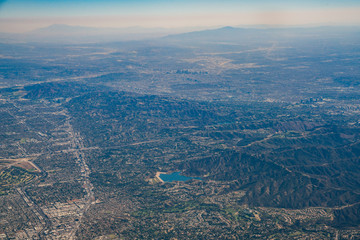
175	176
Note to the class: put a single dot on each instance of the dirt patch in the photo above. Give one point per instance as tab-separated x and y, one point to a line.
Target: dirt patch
23	163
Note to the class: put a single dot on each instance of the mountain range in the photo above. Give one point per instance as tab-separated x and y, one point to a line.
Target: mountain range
61	33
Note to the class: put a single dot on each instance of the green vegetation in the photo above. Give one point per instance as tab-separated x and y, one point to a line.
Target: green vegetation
270	123
179	207
14	176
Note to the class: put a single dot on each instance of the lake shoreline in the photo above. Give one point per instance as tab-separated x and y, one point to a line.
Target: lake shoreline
158	176
165	177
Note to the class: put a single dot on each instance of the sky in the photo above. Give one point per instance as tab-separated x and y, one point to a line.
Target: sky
26	15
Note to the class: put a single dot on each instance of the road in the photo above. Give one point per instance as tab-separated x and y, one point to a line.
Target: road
44	220
76	146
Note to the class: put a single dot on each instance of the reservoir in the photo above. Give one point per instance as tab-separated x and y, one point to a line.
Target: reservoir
175	176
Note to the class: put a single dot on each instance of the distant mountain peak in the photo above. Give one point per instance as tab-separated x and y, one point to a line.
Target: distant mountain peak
228	28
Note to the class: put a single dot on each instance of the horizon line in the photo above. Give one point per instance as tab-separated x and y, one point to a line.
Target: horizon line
185	28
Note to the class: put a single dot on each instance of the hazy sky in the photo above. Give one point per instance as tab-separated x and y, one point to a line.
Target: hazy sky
25	15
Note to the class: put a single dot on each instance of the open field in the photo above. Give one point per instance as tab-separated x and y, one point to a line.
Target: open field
25	163
268	119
